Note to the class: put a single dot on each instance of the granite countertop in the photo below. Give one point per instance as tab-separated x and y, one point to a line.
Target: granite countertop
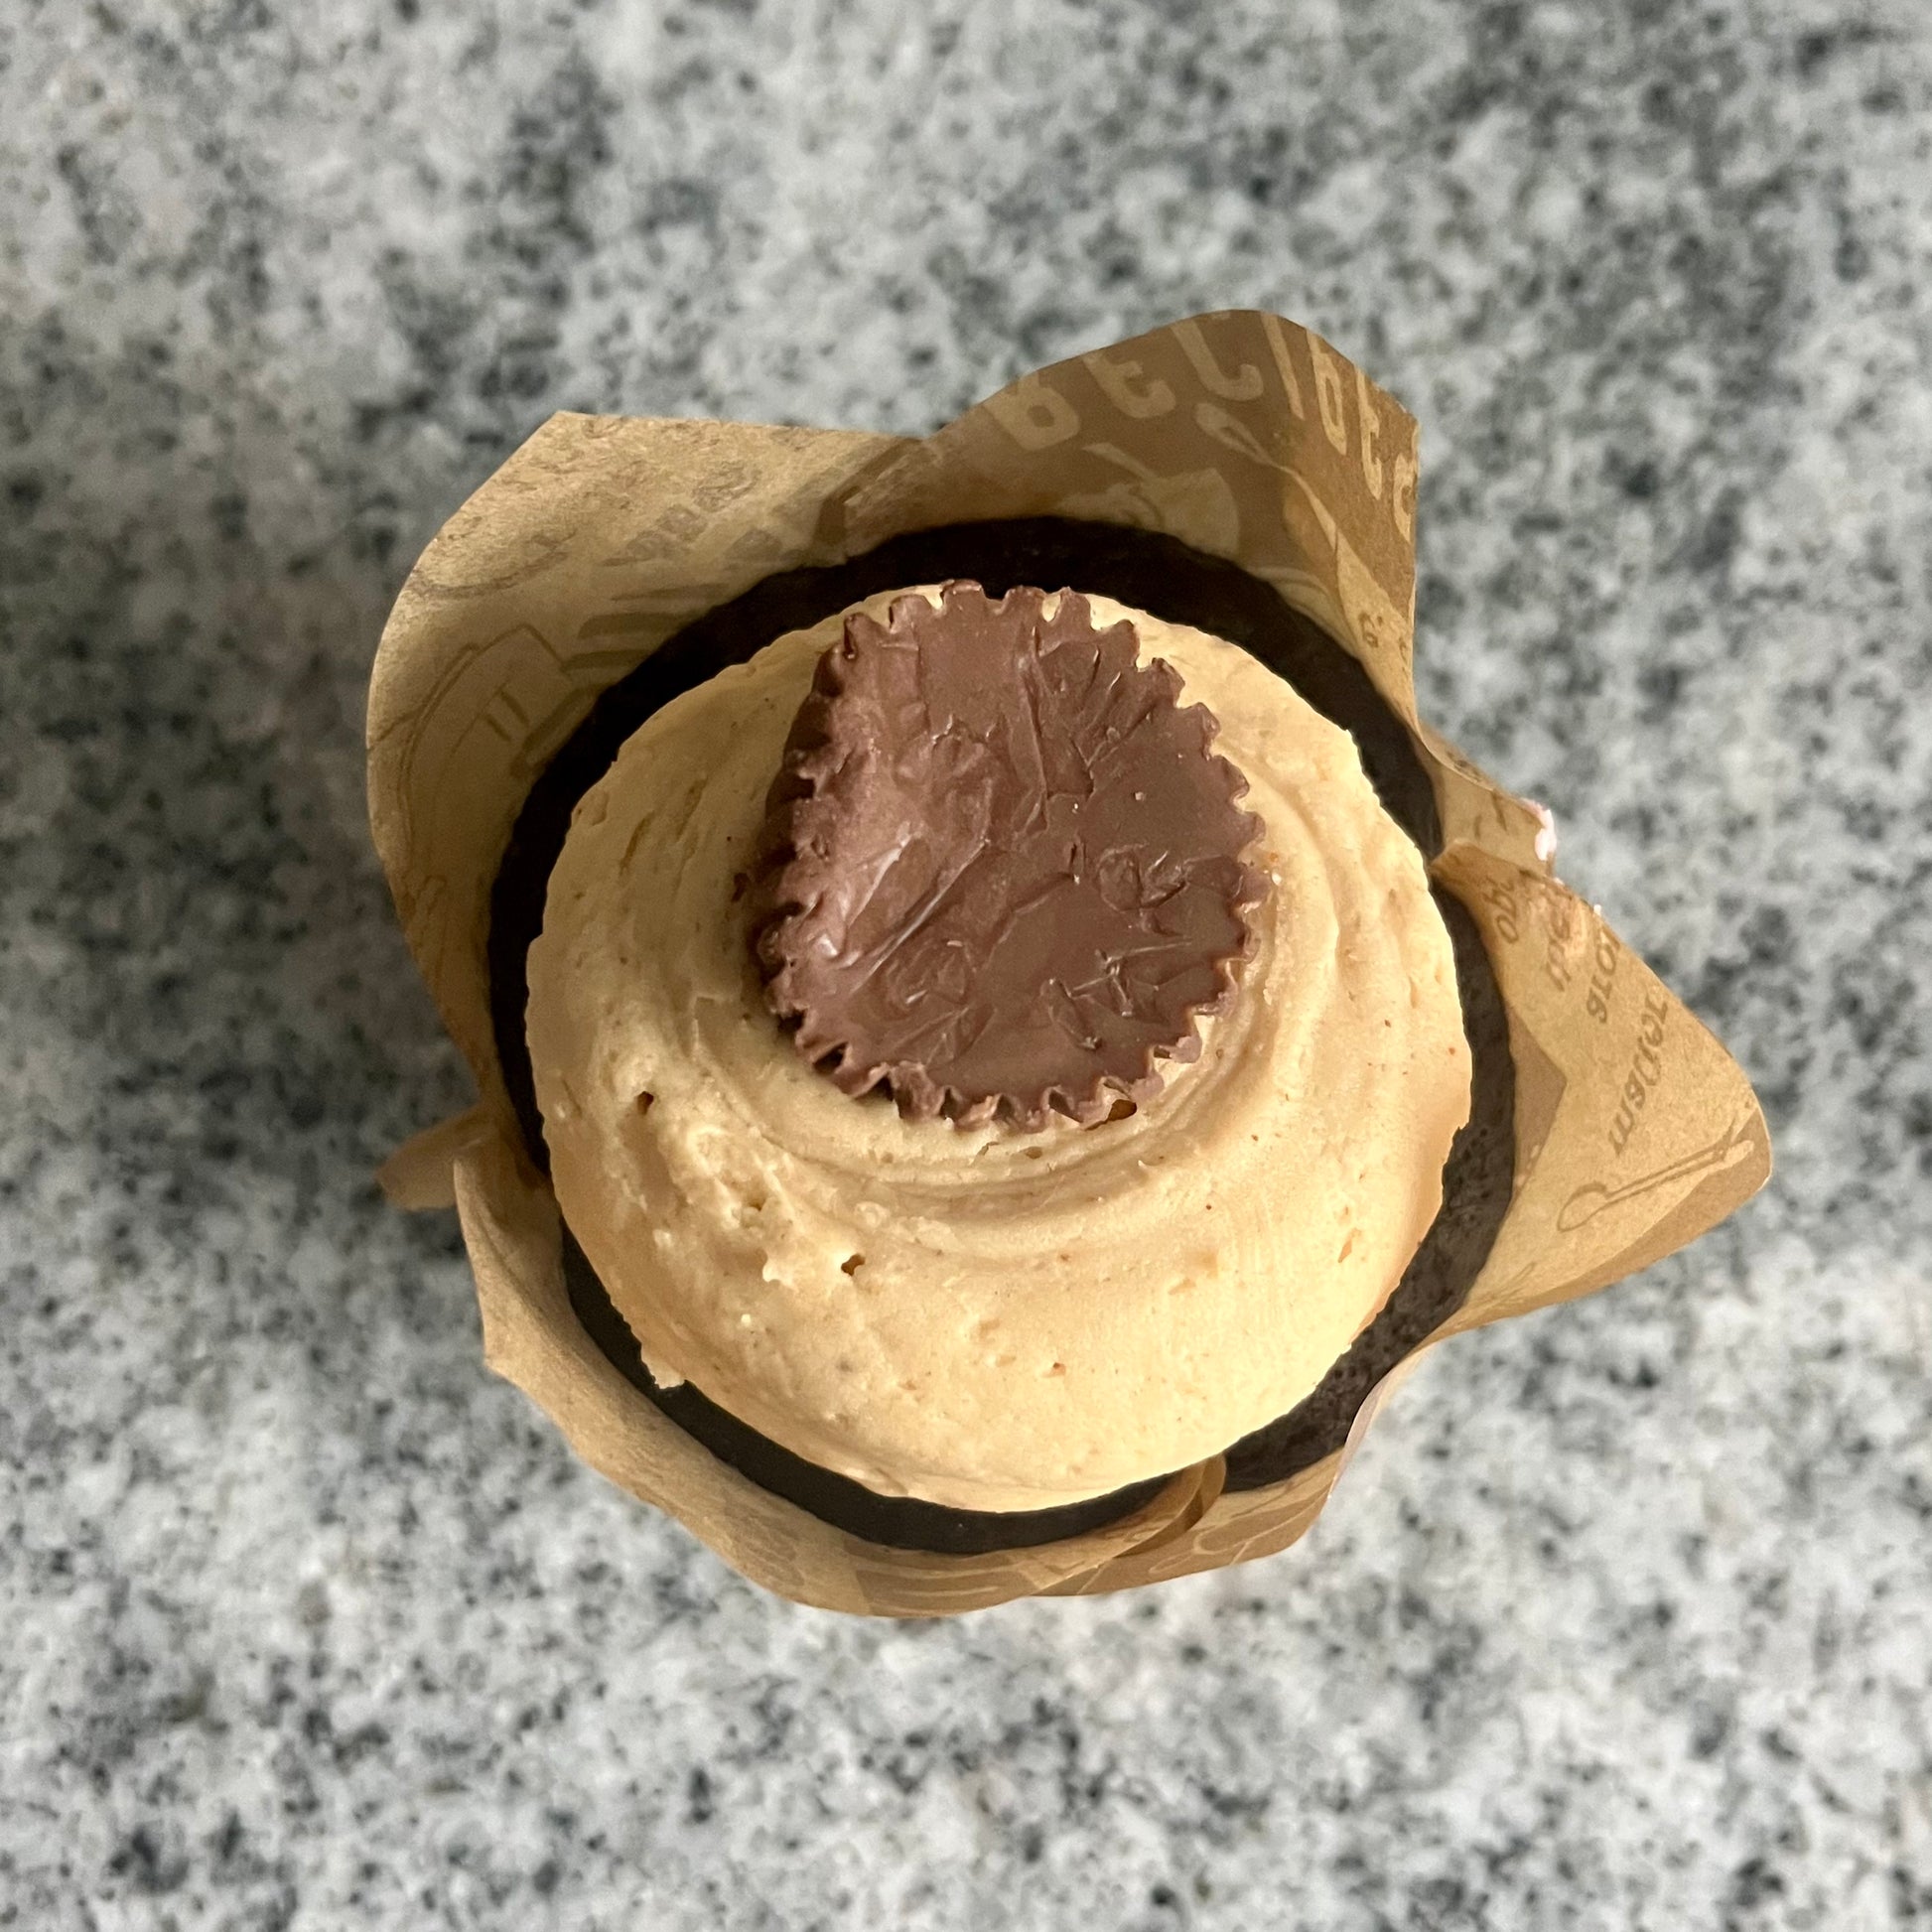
1624	1617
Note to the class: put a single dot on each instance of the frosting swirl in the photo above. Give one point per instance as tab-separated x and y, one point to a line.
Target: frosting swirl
985	1318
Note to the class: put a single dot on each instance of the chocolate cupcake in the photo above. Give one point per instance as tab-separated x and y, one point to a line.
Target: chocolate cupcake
998	1026
949	1079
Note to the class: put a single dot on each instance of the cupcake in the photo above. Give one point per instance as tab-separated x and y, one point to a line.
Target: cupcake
1000	1039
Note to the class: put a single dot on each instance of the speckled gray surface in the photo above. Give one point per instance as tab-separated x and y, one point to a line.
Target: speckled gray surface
1621	1620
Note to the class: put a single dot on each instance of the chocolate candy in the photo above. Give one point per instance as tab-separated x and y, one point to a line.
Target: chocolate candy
1002	864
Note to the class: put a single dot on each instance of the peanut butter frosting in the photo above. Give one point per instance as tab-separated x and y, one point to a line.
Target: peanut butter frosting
984	1318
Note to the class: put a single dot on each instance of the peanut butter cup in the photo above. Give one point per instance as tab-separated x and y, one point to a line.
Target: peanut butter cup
1003	872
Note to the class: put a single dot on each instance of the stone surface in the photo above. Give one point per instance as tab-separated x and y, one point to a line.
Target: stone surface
1621	1620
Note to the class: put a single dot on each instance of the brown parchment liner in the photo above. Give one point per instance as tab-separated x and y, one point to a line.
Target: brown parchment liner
1240	433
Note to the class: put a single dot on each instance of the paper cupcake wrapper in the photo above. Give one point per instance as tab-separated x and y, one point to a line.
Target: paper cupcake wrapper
1242	435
